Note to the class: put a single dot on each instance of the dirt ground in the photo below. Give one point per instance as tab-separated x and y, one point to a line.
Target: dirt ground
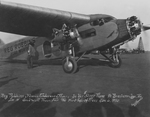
96	90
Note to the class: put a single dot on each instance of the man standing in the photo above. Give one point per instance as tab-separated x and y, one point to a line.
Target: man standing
31	54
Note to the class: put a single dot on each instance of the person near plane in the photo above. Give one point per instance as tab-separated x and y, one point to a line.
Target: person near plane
31	54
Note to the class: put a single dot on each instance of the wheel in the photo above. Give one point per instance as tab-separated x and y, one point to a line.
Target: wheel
70	66
117	61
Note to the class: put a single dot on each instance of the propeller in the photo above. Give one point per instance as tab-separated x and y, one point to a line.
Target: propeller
144	34
135	26
72	33
145	27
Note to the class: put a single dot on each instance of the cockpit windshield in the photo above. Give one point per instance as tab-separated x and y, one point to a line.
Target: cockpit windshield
101	21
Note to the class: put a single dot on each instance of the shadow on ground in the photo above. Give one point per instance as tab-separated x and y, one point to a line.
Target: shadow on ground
34	108
28	107
4	82
81	63
103	109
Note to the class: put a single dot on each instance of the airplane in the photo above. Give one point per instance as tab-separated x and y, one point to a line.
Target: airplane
71	35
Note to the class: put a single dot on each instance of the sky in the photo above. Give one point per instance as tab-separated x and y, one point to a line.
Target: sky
120	9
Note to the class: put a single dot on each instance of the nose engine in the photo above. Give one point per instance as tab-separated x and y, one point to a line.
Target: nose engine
134	26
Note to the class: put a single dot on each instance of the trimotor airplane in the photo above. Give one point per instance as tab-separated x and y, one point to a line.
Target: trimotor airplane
70	33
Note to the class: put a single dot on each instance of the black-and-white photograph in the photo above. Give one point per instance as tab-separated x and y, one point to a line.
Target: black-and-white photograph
74	58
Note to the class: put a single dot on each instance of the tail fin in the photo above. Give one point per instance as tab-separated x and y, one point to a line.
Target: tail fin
1	43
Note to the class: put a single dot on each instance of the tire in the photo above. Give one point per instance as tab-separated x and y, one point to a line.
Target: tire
71	67
116	64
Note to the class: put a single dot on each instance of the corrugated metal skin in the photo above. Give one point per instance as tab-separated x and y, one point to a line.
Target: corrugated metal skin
35	21
123	32
122	36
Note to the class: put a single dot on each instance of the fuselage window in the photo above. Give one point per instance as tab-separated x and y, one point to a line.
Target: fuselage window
88	33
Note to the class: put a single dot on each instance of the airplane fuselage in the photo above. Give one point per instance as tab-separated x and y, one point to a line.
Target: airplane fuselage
80	33
18	47
102	36
95	35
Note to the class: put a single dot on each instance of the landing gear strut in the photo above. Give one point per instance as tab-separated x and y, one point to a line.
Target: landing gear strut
70	63
114	59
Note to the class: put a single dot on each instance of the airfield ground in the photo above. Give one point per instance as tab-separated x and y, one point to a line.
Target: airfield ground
94	76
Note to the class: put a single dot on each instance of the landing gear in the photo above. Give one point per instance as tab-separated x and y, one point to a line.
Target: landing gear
114	59
69	65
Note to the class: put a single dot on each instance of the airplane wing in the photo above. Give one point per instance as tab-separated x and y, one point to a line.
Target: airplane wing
37	21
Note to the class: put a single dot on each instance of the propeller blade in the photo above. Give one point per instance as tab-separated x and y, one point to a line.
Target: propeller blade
146	28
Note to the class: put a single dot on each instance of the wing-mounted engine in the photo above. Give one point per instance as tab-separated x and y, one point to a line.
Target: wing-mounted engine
62	43
66	37
134	26
66	34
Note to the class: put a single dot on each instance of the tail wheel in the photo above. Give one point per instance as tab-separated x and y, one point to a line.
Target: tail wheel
117	61
69	65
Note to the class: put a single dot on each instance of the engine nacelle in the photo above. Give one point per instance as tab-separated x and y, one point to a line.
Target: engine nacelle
59	37
65	35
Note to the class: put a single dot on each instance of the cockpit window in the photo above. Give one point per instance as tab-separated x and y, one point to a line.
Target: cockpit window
99	22
107	19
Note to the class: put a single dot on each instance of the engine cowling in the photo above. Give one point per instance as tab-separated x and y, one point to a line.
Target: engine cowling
134	26
66	35
59	37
